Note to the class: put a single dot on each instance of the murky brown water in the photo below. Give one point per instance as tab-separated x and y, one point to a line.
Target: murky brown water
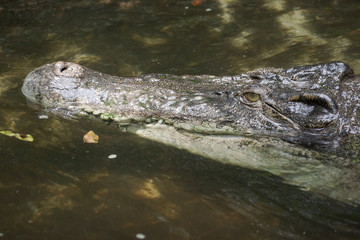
59	188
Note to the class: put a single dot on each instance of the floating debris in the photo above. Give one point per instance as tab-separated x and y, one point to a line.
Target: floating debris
91	137
43	117
112	156
140	236
20	136
196	2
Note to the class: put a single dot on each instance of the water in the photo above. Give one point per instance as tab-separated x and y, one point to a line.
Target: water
59	188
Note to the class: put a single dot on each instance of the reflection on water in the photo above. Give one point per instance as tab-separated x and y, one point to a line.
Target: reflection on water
77	192
60	188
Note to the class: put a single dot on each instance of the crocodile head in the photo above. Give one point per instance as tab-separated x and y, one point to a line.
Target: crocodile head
301	104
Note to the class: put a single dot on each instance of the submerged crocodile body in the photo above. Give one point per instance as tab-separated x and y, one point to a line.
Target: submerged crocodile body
311	105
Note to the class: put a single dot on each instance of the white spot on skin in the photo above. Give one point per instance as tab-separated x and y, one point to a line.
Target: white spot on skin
112	156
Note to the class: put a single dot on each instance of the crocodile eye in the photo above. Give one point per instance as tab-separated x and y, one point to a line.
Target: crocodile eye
252	97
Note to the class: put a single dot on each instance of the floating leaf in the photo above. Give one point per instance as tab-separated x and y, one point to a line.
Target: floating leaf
91	137
196	2
20	136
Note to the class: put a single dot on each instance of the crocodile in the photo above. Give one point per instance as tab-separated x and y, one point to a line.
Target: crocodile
240	119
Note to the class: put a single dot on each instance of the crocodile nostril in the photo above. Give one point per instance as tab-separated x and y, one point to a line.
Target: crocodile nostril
63	68
68	69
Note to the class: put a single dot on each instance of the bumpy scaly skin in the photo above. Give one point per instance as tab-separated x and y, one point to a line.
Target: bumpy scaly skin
306	104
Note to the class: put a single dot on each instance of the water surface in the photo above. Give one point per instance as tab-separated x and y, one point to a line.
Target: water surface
59	188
